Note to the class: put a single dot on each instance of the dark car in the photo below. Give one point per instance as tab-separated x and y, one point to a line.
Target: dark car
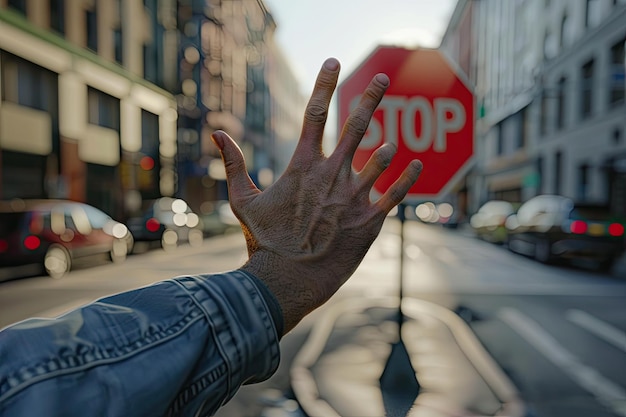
488	222
52	234
549	227
167	221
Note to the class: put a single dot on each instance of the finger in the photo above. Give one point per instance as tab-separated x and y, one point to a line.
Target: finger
316	111
378	162
239	182
359	118
398	190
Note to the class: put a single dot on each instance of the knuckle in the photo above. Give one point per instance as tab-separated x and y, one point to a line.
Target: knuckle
372	95
358	122
316	113
396	195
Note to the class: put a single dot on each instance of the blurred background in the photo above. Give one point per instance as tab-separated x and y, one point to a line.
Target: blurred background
106	112
112	102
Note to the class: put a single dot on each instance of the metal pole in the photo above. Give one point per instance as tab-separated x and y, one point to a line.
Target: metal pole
402	218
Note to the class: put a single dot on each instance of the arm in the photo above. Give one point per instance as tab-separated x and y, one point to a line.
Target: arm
189	343
172	348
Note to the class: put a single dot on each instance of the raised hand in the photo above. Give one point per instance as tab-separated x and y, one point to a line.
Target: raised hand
308	232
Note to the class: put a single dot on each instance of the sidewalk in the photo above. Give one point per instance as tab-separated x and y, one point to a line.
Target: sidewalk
337	372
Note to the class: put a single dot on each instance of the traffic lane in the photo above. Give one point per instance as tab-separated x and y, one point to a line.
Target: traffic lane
45	297
535	319
561	368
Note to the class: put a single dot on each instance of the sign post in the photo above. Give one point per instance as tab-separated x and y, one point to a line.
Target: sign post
428	113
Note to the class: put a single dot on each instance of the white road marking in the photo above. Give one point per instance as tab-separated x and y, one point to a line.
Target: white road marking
606	391
602	329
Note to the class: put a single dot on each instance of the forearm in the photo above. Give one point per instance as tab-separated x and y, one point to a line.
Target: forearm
178	345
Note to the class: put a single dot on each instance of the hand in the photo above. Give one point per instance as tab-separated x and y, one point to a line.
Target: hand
309	231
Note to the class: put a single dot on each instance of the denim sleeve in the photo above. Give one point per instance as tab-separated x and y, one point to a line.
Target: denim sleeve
180	347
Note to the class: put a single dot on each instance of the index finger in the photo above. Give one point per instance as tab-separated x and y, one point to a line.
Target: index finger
316	111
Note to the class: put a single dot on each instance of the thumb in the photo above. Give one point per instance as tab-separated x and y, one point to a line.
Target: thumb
240	184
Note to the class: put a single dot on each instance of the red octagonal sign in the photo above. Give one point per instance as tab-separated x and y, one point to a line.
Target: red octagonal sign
428	111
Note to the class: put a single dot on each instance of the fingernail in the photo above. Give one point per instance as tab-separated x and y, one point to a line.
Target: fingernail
218	140
331	64
383	79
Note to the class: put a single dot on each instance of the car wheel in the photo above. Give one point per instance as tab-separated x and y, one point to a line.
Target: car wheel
119	250
57	261
169	240
195	237
543	251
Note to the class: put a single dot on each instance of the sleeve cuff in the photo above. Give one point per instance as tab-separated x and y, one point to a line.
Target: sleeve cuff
272	303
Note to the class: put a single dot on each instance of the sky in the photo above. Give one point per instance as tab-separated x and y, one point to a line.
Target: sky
309	31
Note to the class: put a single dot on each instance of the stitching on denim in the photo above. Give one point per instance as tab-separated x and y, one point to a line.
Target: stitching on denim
196	283
185	396
90	357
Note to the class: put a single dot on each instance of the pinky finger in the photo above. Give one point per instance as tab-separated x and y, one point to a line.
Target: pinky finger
398	190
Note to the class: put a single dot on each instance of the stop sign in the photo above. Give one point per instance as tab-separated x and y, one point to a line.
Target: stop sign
428	112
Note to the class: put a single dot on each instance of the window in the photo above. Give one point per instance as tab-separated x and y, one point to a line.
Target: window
560	103
103	109
616	76
153	47
149	164
587	71
558	167
117	35
57	16
119	49
18	5
543	117
524	128
583	181
91	24
27	84
592	13
564	32
540	175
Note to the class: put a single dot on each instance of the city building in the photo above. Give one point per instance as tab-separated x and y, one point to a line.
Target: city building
232	77
84	112
549	83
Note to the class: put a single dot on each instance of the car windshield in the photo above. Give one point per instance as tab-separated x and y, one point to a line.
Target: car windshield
97	218
497	287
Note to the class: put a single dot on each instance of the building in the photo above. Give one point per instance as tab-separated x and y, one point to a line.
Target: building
549	84
287	107
84	112
232	77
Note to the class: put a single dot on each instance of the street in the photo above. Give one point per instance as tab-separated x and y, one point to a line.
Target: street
558	332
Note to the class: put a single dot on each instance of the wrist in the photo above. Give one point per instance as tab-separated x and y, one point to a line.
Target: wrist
289	283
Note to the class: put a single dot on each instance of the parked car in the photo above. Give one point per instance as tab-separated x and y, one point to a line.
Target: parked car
549	227
488	222
168	221
53	234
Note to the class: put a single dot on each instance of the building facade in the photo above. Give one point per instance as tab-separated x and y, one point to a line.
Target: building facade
232	77
84	110
549	84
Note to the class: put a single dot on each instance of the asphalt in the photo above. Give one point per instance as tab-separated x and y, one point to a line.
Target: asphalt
437	369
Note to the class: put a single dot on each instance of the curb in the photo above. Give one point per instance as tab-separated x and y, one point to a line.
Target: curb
305	386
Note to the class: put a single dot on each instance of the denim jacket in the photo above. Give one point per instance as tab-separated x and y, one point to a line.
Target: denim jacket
180	347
